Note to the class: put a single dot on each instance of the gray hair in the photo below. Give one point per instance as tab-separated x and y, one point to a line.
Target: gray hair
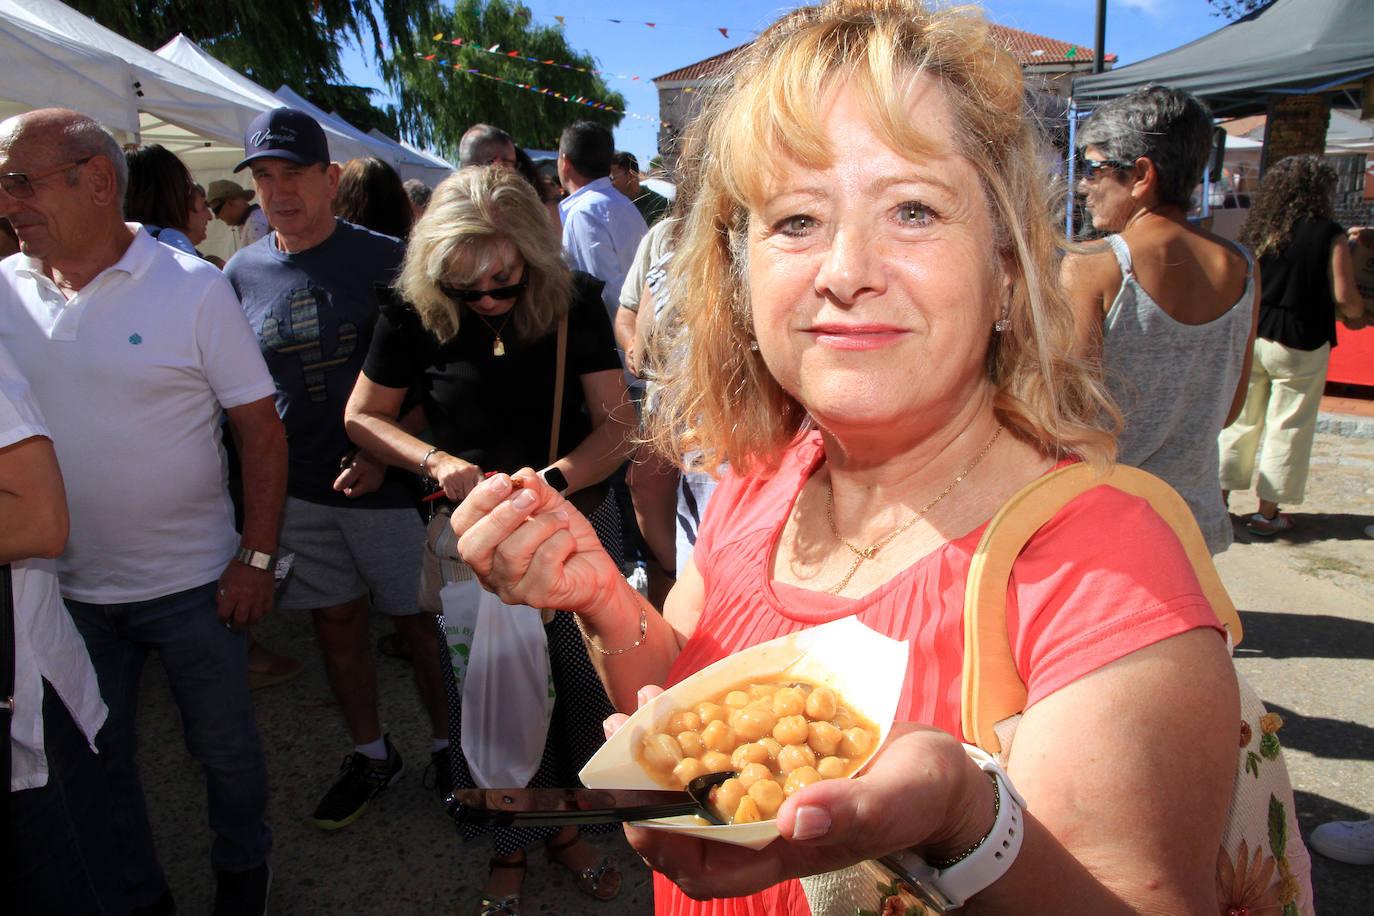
479	142
1167	126
83	138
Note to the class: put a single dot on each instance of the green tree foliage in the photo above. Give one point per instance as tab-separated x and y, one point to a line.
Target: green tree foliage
439	103
1234	9
295	42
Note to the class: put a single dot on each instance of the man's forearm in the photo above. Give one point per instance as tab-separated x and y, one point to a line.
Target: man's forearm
263	456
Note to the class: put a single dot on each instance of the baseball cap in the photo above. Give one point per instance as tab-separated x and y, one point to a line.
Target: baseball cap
284	133
222	189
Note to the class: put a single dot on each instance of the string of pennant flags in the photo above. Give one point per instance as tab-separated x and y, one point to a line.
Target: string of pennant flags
723	30
495	51
539	90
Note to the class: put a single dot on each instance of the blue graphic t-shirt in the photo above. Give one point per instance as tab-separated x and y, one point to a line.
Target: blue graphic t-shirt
313	312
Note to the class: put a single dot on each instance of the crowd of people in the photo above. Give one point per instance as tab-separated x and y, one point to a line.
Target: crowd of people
855	324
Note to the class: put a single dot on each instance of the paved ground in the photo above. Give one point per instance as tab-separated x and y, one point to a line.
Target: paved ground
1308	603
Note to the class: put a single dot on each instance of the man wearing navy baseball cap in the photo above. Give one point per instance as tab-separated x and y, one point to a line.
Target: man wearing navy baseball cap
308	290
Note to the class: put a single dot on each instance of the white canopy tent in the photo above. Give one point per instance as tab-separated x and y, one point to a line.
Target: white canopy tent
44	69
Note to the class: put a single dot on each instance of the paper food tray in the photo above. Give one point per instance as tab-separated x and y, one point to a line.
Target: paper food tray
864	667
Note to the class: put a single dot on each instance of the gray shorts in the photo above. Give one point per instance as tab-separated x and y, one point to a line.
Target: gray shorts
343	554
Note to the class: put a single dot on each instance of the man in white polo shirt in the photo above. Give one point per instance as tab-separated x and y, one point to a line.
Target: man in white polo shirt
133	351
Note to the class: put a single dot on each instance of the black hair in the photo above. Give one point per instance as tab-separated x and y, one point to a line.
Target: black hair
588	147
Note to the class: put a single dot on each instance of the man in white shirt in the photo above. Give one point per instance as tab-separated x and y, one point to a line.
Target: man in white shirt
133	351
601	226
57	824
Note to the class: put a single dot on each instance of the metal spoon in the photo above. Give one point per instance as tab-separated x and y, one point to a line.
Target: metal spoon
542	807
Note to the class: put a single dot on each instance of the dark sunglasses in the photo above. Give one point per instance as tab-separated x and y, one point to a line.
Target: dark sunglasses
466	296
20	184
1092	168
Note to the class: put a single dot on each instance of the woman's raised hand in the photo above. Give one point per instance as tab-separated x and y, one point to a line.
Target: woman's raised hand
528	545
456	476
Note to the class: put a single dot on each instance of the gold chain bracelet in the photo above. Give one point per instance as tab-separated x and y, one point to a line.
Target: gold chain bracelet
643	632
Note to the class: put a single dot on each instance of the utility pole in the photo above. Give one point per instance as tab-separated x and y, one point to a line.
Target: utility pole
1100	41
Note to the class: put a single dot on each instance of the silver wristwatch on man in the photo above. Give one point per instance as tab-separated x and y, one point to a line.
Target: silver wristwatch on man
254	558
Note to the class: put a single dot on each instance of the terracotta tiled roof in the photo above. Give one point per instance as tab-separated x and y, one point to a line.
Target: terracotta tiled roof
1027	47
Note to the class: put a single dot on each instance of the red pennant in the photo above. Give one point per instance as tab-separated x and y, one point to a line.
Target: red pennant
725	32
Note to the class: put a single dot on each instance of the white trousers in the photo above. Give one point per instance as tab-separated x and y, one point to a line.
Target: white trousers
1279	420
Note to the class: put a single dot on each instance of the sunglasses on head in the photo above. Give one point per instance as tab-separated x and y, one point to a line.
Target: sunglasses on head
20	184
1095	167
466	296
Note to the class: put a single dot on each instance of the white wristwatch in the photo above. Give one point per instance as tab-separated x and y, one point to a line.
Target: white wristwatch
254	558
945	889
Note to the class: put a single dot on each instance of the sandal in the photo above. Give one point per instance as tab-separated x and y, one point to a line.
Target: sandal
502	906
601	881
1268	527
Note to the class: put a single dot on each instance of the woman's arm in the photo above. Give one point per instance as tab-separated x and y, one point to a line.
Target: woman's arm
34	501
608	444
1243	384
1082	276
1341	270
1127	775
370	418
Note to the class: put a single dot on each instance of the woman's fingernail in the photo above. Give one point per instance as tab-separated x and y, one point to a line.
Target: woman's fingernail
811	822
643	696
523	500
500	482
561	514
606	727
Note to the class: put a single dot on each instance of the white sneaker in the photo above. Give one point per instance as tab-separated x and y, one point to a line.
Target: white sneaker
1345	841
1369	531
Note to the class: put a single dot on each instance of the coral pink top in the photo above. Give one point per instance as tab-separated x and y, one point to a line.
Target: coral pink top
1102	579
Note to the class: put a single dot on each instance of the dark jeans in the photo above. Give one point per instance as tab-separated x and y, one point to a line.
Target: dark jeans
59	847
207	667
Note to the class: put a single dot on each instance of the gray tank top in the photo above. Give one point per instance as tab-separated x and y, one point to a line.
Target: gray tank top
1174	383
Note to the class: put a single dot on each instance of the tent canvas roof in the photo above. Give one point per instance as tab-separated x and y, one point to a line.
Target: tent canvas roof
74	76
1289	45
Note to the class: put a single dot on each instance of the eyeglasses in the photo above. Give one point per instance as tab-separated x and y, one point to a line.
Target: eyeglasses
20	184
1093	168
467	296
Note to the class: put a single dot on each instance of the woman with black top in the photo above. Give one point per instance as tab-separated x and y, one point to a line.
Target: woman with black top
476	337
1307	278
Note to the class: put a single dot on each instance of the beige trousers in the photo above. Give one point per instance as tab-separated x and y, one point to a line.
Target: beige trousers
1279	420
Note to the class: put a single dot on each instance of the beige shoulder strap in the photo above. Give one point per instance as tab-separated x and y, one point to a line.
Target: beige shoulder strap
560	370
992	687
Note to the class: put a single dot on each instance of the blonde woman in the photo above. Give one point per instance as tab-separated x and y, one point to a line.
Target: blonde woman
484	289
878	344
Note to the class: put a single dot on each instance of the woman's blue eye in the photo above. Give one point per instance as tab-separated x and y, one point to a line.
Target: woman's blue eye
914	212
796	225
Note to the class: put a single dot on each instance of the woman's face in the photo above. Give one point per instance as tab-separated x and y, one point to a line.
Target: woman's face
199	218
875	281
507	268
1107	191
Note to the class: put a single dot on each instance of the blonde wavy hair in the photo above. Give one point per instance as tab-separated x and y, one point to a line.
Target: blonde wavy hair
457	241
718	396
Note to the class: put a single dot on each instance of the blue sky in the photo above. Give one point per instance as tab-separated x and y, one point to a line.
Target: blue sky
687	32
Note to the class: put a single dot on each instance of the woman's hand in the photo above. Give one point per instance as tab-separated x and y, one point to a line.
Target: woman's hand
920	790
454	475
528	545
362	474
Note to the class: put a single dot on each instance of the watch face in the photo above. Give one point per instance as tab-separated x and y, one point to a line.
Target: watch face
554	478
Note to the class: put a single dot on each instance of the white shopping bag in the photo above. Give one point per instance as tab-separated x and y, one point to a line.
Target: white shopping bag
507	692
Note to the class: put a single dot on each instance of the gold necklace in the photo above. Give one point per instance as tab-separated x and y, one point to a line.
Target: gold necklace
871	551
498	347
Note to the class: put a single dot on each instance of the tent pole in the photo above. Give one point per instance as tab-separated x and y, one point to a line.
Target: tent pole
1100	39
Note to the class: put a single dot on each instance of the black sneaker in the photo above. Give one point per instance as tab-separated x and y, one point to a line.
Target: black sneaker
360	779
438	776
243	893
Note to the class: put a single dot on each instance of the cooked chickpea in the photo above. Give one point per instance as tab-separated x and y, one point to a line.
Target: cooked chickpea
789	701
747	812
798	778
716	762
767	794
662	751
746	754
726	796
796	756
762	691
842	719
710	712
856	743
718	737
772	746
684	721
753	772
822	736
736	699
687	769
832	767
821	704
754	721
791	730
691	745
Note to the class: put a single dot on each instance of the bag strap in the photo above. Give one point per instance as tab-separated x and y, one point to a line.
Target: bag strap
992	687
559	372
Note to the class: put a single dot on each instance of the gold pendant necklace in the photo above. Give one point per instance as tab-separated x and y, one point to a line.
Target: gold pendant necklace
498	346
871	551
